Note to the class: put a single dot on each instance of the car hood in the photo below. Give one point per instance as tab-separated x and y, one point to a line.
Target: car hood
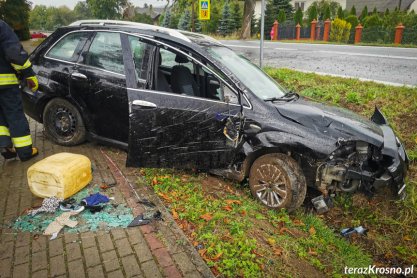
331	121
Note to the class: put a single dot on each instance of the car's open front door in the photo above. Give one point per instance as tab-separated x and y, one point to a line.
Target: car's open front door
171	130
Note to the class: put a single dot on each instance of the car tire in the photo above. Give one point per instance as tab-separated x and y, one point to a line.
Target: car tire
63	123
276	180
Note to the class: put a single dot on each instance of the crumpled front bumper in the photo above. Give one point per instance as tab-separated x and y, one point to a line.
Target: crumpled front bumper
393	148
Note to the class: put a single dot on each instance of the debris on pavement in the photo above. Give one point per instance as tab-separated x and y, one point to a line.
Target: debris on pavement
60	222
146	218
349	231
95	199
70	205
111	215
48	205
147	203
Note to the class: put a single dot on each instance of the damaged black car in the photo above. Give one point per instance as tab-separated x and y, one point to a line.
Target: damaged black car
184	100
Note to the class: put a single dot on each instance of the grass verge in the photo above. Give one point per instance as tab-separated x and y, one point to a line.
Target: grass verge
237	236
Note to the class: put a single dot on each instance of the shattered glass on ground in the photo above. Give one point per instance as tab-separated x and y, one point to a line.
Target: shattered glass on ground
114	215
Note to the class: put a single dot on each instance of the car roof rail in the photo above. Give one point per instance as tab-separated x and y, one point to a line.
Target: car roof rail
104	22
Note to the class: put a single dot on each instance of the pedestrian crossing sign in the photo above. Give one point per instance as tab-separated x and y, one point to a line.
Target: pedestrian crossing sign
204	13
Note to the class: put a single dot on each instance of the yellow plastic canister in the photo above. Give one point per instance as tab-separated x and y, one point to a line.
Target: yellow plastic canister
60	175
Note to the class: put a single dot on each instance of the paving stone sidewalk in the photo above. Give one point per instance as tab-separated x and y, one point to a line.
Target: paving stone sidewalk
156	250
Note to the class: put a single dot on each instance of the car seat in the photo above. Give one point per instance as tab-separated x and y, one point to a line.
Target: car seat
161	82
182	81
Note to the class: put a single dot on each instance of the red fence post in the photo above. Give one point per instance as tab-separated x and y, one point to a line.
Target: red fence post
358	33
275	30
297	32
399	30
313	30
326	30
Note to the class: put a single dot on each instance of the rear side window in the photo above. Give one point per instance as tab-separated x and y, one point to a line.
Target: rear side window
68	48
106	52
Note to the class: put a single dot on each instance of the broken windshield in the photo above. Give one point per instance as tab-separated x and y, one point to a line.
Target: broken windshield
250	75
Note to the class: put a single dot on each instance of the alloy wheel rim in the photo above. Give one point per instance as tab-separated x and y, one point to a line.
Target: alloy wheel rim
271	185
64	122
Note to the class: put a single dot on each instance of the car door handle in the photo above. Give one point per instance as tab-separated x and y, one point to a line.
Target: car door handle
78	75
145	104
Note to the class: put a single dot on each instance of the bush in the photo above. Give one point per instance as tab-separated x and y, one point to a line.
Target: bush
353	20
340	30
372	21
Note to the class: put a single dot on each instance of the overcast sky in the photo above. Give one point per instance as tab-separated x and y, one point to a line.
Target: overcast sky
71	3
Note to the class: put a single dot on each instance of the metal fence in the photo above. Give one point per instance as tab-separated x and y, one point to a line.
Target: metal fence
378	34
410	35
286	30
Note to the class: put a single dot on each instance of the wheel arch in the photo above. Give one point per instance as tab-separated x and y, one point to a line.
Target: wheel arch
293	151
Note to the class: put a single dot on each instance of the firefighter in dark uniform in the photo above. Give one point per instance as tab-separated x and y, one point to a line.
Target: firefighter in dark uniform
14	127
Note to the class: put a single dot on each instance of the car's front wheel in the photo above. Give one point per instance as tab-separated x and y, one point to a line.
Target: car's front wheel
277	181
63	123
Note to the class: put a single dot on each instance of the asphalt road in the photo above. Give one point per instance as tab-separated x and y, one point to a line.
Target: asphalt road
392	65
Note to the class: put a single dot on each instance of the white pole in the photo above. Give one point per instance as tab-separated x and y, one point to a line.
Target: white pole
262	32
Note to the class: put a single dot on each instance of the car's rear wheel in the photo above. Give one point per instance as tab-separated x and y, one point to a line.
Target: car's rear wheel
277	181
63	123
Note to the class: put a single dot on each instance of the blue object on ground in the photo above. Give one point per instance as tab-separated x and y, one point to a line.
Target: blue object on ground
95	199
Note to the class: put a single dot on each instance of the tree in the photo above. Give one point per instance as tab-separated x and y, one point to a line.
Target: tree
38	17
298	17
16	14
143	18
340	13
82	11
237	16
248	10
254	25
364	13
312	14
210	26
327	14
226	22
198	27
323	7
386	12
107	9
58	17
353	10
375	11
281	16
185	21
166	22
272	11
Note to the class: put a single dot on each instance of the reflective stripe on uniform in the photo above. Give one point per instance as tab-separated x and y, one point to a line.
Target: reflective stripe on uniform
25	65
4	131
20	142
8	79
